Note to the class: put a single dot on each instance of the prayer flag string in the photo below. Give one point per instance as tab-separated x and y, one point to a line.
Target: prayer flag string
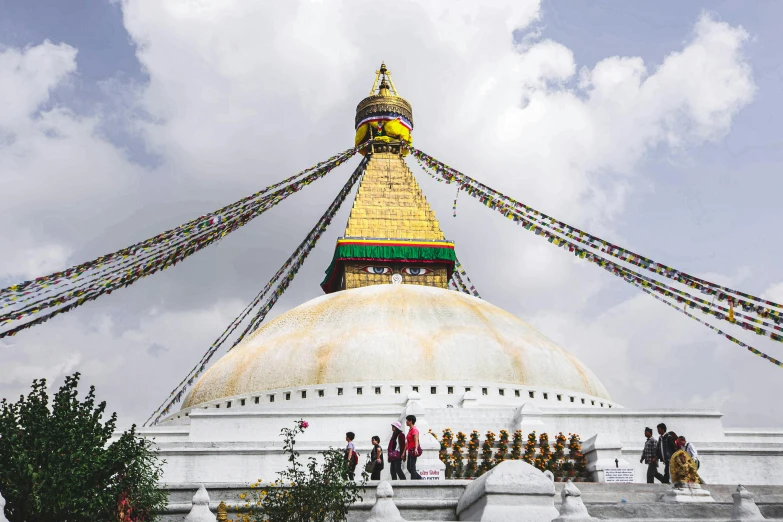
707	307
460	283
648	285
88	281
717	331
59	277
489	196
282	278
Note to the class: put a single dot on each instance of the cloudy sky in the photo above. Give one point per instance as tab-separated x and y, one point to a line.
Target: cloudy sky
656	125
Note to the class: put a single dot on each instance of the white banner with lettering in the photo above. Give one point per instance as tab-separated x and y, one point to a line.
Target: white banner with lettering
621	475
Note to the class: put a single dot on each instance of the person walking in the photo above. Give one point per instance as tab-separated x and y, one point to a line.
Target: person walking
351	457
649	455
665	450
412	448
688	448
394	451
376	456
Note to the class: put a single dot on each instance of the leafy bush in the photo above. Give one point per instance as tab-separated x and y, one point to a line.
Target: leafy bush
304	492
56	463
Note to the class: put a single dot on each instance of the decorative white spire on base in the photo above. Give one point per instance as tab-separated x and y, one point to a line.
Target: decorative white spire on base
745	507
384	509
2	509
573	509
200	511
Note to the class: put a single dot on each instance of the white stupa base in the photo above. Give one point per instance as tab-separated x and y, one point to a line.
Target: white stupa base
242	443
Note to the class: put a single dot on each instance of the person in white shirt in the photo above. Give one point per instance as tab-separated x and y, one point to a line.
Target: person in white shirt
688	448
351	457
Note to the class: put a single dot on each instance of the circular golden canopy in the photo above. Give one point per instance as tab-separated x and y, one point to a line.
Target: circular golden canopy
379	104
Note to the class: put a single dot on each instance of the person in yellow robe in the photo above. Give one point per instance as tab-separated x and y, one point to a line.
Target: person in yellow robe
683	468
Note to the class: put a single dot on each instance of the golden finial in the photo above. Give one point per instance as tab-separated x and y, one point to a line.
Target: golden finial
384	104
222	512
386	87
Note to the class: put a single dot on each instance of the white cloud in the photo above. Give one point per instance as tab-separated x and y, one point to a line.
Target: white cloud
62	174
774	293
32	256
546	63
619	110
27	78
709	81
117	360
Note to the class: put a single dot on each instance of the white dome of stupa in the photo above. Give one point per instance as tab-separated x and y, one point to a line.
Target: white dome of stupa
393	333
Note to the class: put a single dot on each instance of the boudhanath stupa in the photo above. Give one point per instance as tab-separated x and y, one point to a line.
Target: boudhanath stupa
389	338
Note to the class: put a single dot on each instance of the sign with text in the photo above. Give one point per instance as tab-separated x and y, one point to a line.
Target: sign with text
624	475
430	474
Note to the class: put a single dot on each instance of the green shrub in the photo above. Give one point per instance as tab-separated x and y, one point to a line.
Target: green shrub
57	465
305	492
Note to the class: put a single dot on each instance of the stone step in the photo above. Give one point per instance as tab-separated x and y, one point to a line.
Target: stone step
437	501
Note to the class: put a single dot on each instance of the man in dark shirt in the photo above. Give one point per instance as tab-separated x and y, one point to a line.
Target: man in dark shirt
666	449
650	455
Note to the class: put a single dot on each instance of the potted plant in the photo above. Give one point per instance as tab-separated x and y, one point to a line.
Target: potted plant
530	449
456	456
516	448
473	446
502	452
487	462
544	452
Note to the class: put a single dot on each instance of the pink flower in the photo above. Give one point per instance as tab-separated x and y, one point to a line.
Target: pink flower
304	424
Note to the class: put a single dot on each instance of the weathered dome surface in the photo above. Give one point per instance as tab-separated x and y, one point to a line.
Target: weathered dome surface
393	333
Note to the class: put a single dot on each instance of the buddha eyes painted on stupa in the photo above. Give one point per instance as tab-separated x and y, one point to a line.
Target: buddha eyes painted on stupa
408	270
416	271
380	270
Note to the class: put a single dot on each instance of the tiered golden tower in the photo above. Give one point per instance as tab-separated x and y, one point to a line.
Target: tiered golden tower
392	236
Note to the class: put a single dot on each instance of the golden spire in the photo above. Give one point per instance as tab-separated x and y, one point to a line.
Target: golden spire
392	235
390	205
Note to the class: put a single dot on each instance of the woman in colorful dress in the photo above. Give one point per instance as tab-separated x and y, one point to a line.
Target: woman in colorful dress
395	450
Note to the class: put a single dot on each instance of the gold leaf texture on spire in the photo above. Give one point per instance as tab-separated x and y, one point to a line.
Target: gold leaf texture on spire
389	204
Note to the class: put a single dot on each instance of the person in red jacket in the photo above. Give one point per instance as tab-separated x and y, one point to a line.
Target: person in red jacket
412	448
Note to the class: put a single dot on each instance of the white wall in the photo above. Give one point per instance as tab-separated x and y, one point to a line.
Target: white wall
243	444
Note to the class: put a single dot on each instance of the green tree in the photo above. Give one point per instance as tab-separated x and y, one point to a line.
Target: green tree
305	491
57	463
